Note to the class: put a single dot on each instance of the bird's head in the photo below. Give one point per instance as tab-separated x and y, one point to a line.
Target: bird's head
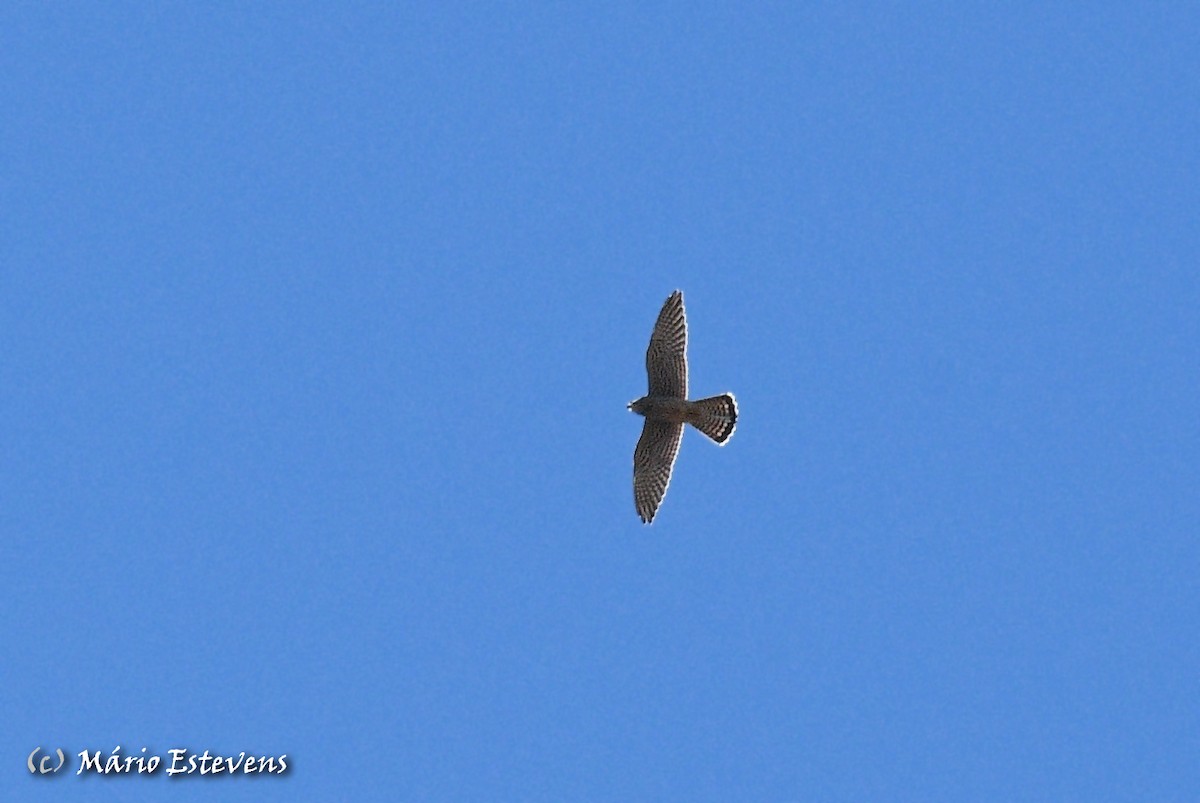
638	406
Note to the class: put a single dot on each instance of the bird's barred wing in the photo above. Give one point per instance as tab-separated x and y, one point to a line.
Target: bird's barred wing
652	462
666	359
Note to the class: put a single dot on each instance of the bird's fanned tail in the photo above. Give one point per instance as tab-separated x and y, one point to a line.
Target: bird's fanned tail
715	416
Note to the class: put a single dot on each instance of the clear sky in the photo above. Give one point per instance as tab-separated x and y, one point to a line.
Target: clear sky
319	322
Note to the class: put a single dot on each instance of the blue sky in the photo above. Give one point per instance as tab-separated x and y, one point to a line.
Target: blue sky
319	327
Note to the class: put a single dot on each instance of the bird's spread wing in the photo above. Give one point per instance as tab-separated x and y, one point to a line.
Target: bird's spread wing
652	462
666	359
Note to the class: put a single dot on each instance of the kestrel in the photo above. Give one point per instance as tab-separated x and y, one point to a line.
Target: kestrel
667	409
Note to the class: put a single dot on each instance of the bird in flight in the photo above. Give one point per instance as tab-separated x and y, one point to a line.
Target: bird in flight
666	409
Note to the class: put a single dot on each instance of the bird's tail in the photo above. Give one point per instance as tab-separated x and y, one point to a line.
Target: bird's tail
715	416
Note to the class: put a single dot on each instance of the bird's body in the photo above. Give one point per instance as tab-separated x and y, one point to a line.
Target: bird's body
667	408
715	416
663	408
